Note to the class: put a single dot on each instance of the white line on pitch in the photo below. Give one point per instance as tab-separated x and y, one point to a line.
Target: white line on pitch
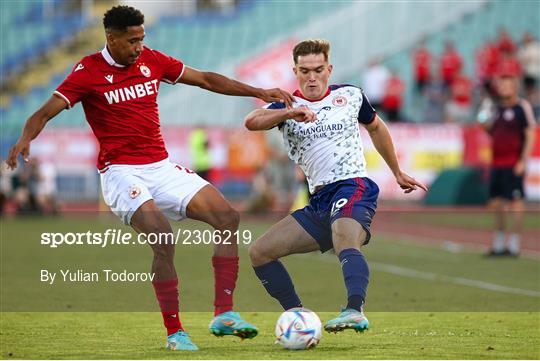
408	272
430	276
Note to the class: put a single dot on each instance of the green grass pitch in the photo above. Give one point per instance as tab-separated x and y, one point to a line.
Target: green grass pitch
424	302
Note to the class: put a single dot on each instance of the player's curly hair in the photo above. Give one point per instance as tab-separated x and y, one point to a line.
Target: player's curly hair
122	16
312	46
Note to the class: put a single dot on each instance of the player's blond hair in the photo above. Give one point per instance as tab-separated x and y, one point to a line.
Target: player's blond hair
312	46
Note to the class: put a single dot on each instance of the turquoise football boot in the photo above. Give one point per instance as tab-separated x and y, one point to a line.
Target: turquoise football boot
348	318
230	323
180	341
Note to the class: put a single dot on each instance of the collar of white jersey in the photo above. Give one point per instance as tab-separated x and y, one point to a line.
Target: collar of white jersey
109	59
299	94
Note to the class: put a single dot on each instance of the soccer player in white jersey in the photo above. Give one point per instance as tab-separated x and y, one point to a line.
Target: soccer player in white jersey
118	89
321	133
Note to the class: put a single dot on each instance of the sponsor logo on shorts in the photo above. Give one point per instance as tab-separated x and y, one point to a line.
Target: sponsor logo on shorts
134	192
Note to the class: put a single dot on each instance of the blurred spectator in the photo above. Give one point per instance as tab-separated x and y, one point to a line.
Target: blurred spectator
529	56
25	185
422	66
281	171
200	152
262	197
509	64
4	187
435	98
46	190
505	42
512	129
374	83
458	108
393	97
451	64
487	60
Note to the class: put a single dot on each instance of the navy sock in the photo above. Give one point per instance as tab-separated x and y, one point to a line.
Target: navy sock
278	284
356	275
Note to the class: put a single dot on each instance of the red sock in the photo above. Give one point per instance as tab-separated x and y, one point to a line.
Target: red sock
167	296
225	275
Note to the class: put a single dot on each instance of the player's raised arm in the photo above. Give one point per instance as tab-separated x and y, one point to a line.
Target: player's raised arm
380	136
34	125
264	119
218	83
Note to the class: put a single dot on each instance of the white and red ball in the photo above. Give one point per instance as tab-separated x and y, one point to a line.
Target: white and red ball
298	329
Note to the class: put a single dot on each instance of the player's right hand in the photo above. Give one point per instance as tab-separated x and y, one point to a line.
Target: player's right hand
277	95
22	147
302	114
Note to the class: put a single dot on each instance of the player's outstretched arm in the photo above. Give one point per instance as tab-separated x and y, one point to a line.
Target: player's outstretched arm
34	125
380	136
264	119
218	83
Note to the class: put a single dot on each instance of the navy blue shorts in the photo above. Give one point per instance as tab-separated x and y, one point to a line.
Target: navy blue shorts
354	198
503	183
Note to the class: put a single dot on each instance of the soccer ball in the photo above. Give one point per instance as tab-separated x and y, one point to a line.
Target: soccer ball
298	329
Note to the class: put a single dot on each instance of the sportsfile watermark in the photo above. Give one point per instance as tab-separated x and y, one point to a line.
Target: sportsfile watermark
118	237
92	262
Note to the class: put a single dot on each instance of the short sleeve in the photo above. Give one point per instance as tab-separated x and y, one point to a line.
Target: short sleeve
276	105
366	114
529	120
172	68
75	87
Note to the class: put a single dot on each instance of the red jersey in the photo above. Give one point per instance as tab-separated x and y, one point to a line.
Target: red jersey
508	133
394	93
487	60
461	90
506	44
509	66
120	103
422	61
450	65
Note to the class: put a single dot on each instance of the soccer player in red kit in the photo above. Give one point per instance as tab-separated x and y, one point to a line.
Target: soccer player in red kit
118	89
512	130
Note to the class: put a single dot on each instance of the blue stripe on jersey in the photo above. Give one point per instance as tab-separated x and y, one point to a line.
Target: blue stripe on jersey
276	105
337	86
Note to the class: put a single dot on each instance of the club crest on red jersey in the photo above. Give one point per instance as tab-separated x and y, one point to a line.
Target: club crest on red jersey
508	115
145	70
339	101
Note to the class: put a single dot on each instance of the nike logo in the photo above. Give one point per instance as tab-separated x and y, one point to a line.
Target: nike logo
109	78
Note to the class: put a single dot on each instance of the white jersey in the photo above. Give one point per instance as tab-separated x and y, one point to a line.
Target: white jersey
329	149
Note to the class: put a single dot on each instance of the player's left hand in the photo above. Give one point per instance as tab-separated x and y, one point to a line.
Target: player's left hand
519	168
277	95
408	183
